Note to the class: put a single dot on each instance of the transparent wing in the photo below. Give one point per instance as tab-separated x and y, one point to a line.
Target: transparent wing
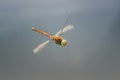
40	46
65	29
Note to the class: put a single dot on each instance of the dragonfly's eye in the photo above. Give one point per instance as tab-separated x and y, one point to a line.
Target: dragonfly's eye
63	42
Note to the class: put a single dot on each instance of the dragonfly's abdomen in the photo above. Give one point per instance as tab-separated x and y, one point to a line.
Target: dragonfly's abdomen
41	32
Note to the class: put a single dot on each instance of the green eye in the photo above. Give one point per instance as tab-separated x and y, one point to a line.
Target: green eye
63	42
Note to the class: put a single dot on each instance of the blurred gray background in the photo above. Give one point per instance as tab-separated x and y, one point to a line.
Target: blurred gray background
93	51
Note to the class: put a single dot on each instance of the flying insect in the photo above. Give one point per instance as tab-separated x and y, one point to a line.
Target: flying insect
57	38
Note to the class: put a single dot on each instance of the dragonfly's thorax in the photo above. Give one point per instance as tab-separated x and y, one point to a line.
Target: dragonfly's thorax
56	38
59	40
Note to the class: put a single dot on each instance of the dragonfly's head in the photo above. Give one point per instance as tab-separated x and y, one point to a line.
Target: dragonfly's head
63	42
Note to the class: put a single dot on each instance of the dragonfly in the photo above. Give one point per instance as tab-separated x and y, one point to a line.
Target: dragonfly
57	38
